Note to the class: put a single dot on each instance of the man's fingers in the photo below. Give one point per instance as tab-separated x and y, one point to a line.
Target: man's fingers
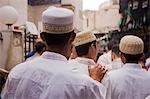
104	71
99	69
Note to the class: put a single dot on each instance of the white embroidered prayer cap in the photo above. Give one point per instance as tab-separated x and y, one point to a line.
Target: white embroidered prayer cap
84	38
132	45
57	20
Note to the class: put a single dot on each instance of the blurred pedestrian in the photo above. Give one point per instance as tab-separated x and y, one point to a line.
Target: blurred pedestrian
116	60
105	59
86	49
40	47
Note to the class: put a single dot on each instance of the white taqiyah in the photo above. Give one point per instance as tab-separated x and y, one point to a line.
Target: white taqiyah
57	20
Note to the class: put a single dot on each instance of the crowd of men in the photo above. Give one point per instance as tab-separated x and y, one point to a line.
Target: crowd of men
67	66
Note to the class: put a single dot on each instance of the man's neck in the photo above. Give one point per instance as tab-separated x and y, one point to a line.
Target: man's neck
59	50
87	56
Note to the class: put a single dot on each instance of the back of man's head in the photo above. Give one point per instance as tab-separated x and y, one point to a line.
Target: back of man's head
58	26
83	50
58	30
57	40
132	48
83	42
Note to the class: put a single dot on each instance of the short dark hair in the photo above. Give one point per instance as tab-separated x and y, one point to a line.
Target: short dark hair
56	39
39	46
132	58
115	49
110	45
84	49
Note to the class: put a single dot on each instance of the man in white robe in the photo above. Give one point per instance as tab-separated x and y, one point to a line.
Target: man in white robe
51	76
86	50
130	81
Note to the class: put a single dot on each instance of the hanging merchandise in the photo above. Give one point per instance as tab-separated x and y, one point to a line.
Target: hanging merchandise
139	7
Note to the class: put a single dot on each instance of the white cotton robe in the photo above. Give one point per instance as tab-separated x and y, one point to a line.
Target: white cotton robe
50	77
128	82
81	64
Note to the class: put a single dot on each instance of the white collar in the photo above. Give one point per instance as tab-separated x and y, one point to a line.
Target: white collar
86	61
117	60
132	65
53	56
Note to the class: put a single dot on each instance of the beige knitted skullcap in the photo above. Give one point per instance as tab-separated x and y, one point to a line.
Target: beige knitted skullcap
132	45
83	38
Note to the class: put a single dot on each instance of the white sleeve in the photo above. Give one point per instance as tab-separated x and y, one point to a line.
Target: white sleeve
97	92
74	92
107	83
9	89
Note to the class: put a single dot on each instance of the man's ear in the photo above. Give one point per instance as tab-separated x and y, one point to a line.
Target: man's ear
123	59
93	46
72	37
112	56
91	49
